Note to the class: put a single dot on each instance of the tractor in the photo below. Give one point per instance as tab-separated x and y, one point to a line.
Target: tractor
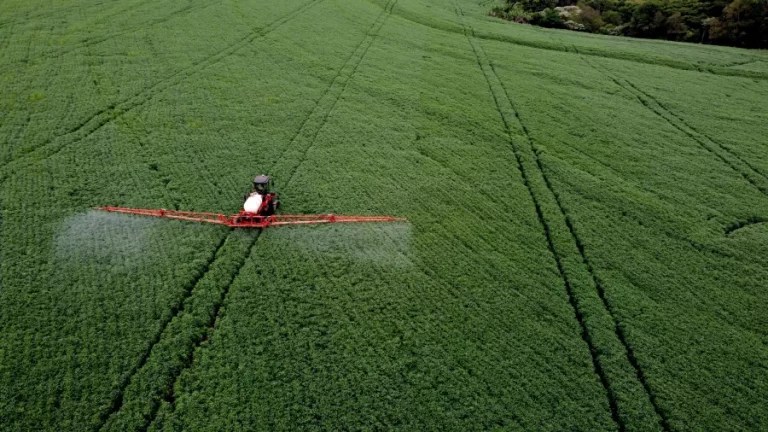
259	211
262	201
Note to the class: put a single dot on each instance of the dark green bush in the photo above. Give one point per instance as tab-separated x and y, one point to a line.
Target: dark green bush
547	18
738	22
590	18
612	17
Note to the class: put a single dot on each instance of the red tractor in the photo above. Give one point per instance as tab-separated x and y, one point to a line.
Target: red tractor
262	201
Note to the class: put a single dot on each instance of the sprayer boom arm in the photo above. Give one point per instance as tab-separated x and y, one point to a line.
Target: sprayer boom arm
249	220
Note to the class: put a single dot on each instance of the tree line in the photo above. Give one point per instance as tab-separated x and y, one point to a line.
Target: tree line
742	23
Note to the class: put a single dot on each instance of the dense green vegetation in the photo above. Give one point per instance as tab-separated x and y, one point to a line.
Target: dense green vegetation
736	23
585	246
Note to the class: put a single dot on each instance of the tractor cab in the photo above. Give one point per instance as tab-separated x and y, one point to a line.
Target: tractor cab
262	201
262	184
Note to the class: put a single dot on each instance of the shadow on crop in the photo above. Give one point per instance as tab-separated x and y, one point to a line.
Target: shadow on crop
743	225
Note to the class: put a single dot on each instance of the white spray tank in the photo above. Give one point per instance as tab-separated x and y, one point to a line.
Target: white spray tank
253	203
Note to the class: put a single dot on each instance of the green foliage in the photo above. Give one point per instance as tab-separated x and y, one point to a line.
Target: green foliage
585	246
612	17
590	18
547	18
744	22
739	23
516	13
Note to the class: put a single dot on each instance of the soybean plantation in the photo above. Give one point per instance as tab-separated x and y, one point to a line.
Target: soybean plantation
586	246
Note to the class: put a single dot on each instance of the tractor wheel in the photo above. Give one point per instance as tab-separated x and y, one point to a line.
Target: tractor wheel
270	209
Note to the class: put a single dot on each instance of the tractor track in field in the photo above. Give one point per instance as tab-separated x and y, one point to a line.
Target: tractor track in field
191	8
498	91
659	61
547	232
178	308
340	82
749	172
627	184
743	224
619	178
167	394
112	112
170	395
601	293
56	12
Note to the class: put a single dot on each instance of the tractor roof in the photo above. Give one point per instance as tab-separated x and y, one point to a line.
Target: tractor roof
262	179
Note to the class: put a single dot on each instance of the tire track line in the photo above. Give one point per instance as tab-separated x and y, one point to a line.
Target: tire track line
751	174
338	85
469	33
667	62
108	114
91	42
117	399
188	363
170	397
600	290
59	11
189	360
217	311
526	154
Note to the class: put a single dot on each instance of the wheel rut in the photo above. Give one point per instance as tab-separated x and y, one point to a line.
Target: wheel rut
305	137
753	175
117	400
672	63
185	10
189	360
106	115
635	407
159	393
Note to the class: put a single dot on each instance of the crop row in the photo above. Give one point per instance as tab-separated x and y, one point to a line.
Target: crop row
564	265
649	205
455	320
439	14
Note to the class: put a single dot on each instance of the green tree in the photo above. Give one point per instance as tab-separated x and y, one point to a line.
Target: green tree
743	23
548	18
612	17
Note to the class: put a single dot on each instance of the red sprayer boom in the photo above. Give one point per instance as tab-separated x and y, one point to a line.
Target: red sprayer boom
259	208
250	220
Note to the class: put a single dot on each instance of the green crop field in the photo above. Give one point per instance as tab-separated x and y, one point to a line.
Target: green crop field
586	246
